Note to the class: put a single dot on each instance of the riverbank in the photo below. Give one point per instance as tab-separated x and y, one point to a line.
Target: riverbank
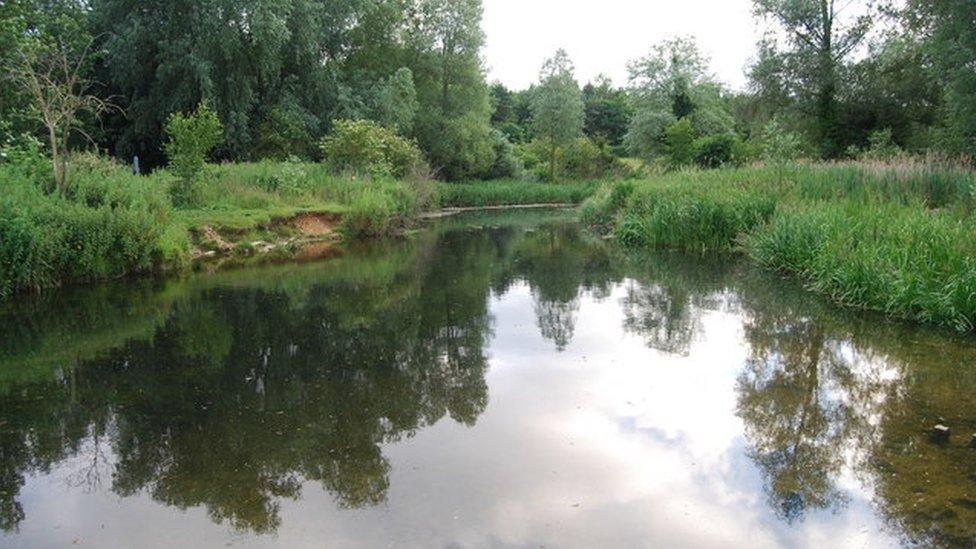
112	223
899	239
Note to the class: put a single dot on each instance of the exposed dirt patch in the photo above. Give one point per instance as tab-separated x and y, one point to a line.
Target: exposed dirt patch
313	224
308	235
214	241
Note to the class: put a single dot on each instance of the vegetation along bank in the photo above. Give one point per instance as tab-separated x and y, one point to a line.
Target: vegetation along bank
316	121
896	238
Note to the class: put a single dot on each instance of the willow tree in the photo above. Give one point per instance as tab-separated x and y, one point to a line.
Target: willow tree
557	107
821	34
671	83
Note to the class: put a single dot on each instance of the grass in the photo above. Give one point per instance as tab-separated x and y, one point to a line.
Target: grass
507	193
112	223
900	239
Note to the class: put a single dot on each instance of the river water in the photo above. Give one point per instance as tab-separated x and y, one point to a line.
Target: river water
502	380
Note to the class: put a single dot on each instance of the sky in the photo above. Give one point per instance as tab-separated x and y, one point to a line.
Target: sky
602	35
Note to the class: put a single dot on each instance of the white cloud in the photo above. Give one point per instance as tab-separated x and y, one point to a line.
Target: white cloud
602	35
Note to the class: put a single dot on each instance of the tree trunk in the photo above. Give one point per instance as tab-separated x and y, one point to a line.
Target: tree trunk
56	160
827	93
552	161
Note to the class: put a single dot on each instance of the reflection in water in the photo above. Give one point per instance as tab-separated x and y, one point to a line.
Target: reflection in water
236	392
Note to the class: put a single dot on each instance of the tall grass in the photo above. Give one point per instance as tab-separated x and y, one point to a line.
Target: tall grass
899	259
692	217
900	239
242	196
110	223
507	193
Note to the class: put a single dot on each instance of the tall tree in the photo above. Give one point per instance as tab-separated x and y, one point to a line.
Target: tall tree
557	106
670	83
607	111
245	57
949	28
821	34
453	123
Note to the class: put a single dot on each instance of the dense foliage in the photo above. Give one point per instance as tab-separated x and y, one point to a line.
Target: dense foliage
367	148
892	238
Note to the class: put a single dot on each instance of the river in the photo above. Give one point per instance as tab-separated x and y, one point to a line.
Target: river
494	380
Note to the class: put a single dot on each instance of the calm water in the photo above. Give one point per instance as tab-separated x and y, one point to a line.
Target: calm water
504	381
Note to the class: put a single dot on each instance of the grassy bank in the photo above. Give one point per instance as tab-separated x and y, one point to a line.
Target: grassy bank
896	239
112	223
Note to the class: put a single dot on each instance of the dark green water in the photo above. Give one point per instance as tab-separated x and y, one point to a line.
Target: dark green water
502	381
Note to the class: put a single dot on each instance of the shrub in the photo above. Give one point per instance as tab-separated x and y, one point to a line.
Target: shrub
779	147
583	159
717	151
881	146
507	165
679	142
25	154
365	147
461	148
109	224
190	139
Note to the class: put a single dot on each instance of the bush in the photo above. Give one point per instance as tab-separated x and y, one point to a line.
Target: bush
581	159
461	148
191	138
365	147
507	165
109	224
717	151
25	154
679	142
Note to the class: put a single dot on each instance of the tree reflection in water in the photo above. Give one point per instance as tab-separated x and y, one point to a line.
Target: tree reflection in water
233	391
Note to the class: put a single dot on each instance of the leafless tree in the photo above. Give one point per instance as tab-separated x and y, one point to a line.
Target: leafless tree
54	78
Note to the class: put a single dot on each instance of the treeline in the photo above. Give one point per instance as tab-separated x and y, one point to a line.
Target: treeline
826	82
829	80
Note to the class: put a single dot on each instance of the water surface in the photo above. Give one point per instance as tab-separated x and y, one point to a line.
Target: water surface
493	381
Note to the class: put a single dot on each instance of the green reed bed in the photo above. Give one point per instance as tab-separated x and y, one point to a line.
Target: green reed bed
897	239
899	259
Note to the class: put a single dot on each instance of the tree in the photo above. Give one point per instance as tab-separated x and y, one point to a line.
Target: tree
444	42
779	147
54	76
395	101
679	142
821	34
671	83
191	139
949	31
557	107
608	111
244	57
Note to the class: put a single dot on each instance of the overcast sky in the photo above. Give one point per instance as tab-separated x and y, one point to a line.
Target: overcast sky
602	35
